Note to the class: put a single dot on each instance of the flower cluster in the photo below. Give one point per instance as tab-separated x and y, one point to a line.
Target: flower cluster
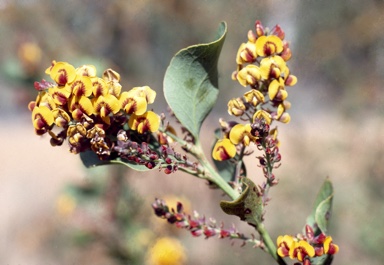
196	224
261	65
303	248
167	251
89	110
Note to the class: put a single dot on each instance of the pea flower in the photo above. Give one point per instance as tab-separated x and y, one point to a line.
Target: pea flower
147	122
224	149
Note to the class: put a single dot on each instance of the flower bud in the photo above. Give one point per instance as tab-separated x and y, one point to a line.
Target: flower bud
259	28
278	31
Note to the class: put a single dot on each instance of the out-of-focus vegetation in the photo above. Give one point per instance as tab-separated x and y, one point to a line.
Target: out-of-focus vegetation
336	128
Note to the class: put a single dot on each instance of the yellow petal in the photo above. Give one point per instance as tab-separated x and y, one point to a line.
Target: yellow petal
86	105
273	89
236	134
285	118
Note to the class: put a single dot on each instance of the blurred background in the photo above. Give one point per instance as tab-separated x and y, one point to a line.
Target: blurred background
55	211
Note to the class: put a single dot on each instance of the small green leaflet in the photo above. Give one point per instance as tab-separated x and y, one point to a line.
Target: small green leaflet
248	206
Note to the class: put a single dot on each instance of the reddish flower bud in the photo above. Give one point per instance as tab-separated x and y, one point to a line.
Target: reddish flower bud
309	232
278	31
252	36
209	232
193	223
259	28
224	233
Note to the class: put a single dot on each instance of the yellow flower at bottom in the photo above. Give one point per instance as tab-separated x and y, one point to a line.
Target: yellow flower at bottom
224	149
300	250
167	251
284	244
148	121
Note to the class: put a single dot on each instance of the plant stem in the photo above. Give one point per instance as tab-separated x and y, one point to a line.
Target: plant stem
214	176
268	242
197	151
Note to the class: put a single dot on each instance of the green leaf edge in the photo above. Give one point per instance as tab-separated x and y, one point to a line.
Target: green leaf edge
324	195
221	34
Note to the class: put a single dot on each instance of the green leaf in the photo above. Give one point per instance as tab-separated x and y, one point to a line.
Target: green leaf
90	159
322	260
191	82
248	206
321	212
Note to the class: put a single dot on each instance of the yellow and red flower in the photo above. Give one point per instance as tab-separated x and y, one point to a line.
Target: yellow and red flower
224	149
268	45
329	247
246	53
80	86
249	75
301	249
62	73
79	106
284	244
147	122
42	119
105	105
99	87
133	104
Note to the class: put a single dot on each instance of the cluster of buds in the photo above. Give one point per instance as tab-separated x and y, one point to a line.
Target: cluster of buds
267	141
305	247
196	224
261	65
153	155
89	110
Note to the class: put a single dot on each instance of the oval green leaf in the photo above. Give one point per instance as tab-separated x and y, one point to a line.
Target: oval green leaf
191	82
321	211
